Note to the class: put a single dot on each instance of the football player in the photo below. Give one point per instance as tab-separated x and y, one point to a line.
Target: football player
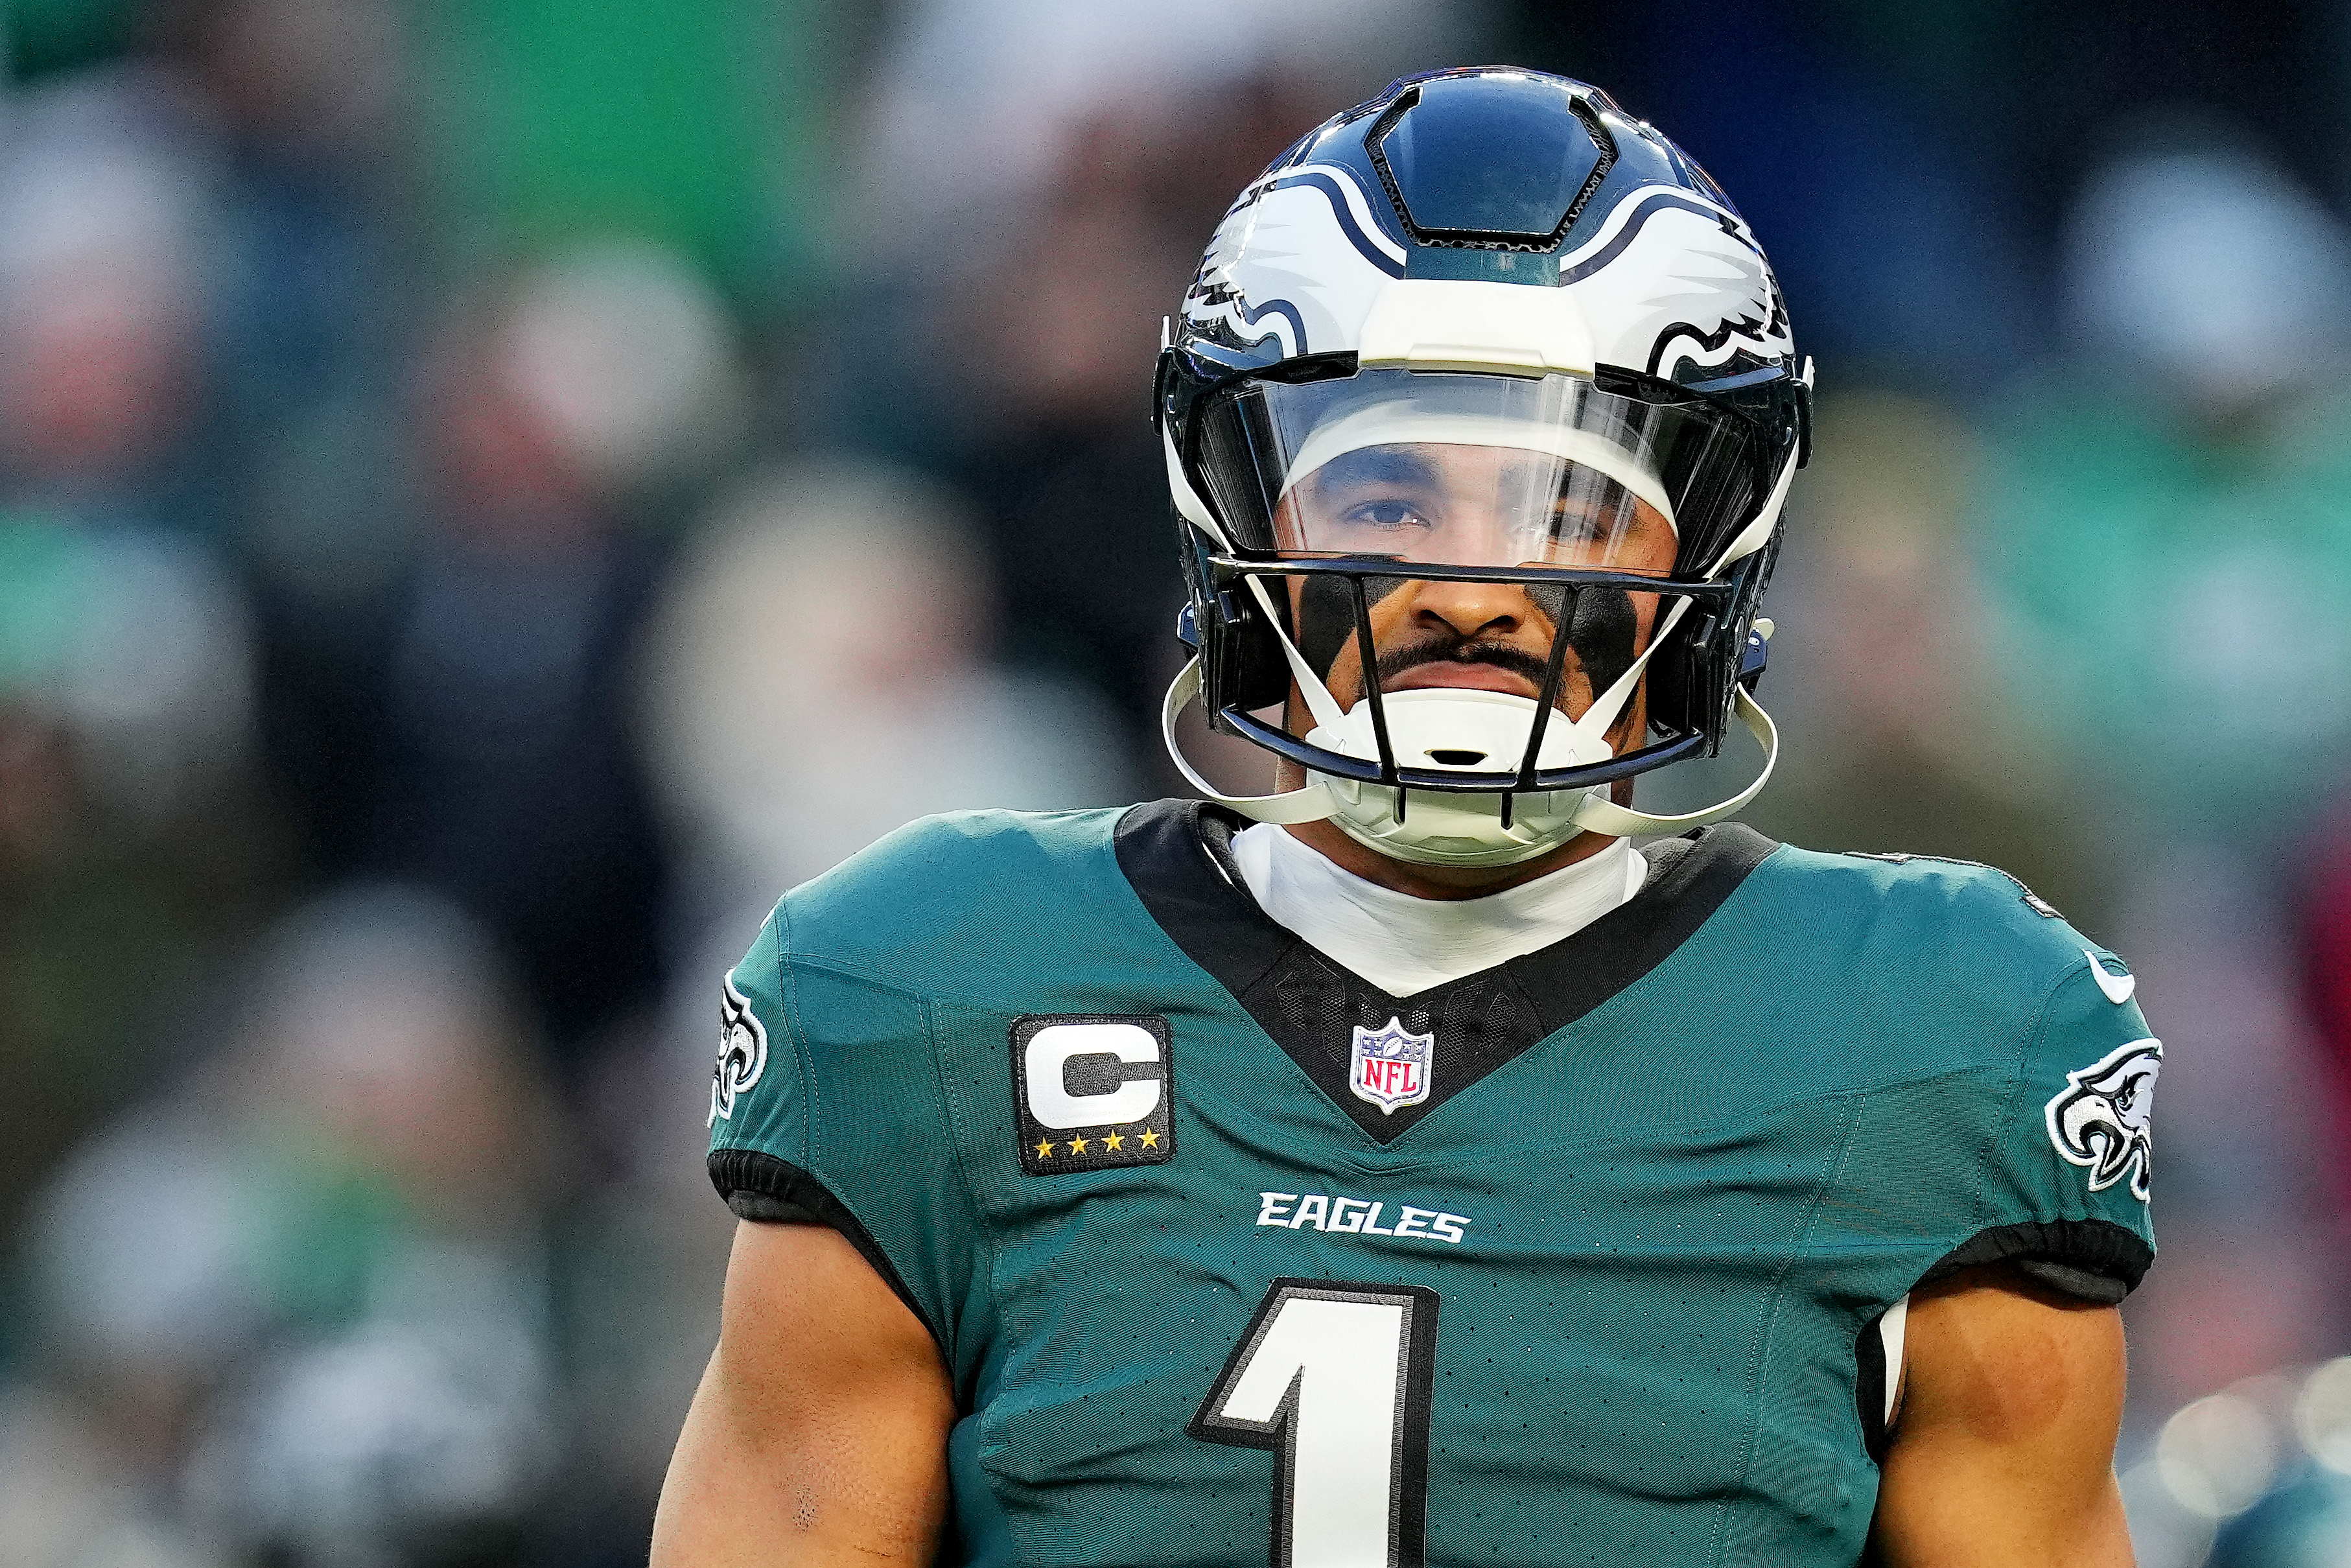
1405	1168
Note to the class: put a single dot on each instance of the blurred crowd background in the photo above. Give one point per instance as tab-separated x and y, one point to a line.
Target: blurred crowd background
492	493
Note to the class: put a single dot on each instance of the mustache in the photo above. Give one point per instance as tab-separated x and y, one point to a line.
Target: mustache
1600	633
1460	651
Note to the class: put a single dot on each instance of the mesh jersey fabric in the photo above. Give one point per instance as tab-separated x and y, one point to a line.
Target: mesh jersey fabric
1676	1203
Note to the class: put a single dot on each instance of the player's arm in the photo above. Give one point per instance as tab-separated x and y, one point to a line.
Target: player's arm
2002	1453
819	1435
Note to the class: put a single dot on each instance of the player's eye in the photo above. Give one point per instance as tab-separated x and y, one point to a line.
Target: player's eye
1386	514
1578	517
1578	522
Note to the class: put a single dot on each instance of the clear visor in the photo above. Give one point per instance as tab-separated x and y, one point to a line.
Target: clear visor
1469	470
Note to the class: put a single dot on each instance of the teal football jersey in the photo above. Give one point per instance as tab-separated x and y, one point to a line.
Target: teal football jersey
1234	1258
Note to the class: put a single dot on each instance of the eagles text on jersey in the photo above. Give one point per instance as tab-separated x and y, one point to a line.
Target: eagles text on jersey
1234	1258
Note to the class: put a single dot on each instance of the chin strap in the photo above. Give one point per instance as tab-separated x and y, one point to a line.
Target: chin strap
1598	814
1311	804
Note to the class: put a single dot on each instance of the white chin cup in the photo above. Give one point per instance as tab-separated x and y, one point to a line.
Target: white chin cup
1459	730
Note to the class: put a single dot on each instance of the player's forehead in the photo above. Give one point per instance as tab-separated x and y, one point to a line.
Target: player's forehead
1442	466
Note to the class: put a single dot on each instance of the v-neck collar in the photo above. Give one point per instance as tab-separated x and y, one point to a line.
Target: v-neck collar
1177	855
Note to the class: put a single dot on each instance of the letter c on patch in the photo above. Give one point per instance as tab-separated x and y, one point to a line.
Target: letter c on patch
1049	1050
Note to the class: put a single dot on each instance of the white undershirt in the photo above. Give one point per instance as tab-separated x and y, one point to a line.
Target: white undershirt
1405	945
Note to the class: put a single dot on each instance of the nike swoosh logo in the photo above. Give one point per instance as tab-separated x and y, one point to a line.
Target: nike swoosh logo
2118	988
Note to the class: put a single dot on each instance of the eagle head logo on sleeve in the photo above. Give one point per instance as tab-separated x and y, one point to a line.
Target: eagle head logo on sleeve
742	1053
2100	1119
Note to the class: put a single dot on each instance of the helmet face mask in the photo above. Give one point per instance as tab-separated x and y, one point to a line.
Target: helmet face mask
1418	504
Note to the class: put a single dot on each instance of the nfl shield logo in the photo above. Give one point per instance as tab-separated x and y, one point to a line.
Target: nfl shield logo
1389	1067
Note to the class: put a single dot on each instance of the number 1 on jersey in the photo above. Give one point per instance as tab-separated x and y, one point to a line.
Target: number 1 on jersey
1335	1379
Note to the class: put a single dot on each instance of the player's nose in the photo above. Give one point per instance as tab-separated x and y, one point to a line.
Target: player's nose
1470	608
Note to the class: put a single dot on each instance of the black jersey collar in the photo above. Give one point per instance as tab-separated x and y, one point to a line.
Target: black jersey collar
1177	854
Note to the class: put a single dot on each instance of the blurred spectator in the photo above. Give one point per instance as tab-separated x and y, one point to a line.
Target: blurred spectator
494	762
132	654
104	229
2170	537
308	299
1899	736
313	1287
817	676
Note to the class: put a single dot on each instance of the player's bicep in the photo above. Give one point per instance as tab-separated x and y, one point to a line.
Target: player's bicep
818	1433
2002	1450
2004	1442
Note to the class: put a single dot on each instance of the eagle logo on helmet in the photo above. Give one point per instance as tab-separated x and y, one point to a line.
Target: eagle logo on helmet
1307	243
2101	1119
1672	277
742	1053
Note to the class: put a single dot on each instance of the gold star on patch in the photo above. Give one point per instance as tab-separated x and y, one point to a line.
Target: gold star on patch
1113	1142
1077	1146
1044	1151
1149	1139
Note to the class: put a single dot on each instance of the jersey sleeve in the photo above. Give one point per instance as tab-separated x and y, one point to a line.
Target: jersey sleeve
826	1108
2069	1173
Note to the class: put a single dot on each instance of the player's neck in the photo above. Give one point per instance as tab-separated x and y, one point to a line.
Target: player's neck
1439	882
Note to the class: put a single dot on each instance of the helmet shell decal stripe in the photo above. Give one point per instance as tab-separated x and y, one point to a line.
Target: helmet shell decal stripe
1623	226
1348	206
1671	277
1302	248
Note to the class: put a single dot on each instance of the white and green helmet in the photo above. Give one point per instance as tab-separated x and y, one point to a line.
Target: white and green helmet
1501	272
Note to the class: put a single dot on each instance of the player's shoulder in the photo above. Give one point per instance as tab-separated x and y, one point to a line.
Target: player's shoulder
1972	1003
1927	911
959	879
843	970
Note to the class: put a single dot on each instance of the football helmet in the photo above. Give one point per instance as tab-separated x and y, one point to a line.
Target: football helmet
1485	329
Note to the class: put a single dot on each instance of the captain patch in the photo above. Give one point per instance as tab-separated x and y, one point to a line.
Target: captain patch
1094	1091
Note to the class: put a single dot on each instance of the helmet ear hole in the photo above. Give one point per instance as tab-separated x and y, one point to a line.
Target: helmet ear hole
1260	675
1241	657
1671	672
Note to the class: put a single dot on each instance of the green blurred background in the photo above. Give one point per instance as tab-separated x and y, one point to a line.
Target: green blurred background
490	494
